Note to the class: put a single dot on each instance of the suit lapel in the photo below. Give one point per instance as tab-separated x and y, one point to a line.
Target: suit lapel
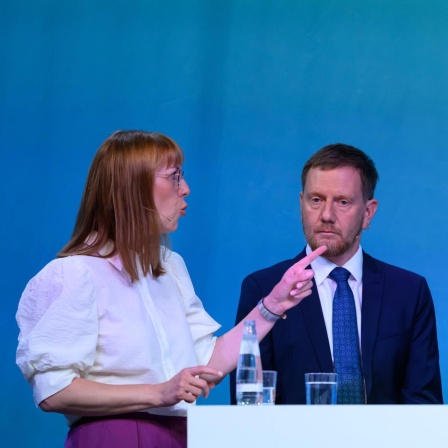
314	319
372	296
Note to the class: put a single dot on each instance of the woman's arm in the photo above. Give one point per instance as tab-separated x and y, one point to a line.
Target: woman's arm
294	286
85	397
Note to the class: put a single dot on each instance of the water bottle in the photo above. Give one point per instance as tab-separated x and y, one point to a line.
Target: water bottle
249	377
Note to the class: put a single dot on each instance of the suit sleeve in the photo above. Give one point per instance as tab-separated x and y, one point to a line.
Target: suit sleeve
423	383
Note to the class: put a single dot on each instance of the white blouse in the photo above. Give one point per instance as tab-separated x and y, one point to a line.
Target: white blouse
82	317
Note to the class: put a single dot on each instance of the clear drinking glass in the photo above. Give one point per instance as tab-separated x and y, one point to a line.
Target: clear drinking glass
269	385
321	388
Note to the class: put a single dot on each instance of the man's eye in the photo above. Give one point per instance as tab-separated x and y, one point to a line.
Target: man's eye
315	200
343	202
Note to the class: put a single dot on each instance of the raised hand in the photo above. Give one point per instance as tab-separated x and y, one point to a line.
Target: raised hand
295	284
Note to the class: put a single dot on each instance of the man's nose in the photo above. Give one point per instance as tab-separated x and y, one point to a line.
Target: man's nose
327	214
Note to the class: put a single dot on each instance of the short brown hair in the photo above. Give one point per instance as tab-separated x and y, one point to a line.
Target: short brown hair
340	155
118	202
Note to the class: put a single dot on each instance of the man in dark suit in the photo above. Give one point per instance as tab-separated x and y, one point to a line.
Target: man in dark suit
397	357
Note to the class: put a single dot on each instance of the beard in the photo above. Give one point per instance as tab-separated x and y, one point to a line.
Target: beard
334	248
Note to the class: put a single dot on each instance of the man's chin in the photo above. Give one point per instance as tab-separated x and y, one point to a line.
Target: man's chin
333	250
331	241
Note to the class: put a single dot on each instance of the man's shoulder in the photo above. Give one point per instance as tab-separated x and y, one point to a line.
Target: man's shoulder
375	265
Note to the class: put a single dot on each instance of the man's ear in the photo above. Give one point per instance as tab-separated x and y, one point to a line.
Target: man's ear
371	208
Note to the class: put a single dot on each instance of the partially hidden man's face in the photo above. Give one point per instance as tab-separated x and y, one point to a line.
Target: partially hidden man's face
334	211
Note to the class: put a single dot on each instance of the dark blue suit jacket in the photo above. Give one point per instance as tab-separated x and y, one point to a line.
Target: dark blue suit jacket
400	353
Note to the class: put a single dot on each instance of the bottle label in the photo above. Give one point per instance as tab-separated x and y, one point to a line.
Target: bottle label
249	387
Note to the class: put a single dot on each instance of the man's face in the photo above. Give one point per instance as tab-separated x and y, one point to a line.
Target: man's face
334	211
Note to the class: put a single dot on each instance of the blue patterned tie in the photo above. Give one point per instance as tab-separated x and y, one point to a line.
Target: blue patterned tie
347	360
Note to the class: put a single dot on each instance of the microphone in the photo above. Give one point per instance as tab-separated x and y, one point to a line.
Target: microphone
160	214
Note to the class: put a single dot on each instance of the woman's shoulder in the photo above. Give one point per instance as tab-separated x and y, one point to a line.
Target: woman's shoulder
174	264
72	265
60	273
63	281
171	258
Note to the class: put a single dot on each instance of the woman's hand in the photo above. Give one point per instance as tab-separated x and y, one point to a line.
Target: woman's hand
86	397
187	385
294	286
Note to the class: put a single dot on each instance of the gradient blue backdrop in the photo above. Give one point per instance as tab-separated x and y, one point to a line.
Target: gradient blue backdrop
250	89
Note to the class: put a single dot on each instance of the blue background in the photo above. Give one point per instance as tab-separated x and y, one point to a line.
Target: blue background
249	89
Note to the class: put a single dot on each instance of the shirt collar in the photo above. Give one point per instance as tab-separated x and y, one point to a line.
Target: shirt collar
115	260
322	267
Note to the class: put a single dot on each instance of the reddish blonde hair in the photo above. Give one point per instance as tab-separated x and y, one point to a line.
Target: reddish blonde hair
116	199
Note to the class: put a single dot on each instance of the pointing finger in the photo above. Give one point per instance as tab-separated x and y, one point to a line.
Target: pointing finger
201	370
305	261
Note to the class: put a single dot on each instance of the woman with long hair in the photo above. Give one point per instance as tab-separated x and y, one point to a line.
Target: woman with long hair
112	334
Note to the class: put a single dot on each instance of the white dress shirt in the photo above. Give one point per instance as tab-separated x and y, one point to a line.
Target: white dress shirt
326	288
82	317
